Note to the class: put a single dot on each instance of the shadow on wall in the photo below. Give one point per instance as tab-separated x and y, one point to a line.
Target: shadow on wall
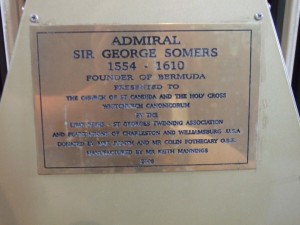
3	69
296	73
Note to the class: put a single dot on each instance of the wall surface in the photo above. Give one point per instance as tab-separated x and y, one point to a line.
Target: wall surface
269	194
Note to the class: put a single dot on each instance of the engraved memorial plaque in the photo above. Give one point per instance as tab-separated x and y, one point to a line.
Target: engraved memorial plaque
127	98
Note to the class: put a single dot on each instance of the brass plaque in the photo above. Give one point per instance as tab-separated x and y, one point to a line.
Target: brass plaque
164	97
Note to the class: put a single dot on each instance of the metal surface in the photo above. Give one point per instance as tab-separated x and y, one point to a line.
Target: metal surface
146	98
289	34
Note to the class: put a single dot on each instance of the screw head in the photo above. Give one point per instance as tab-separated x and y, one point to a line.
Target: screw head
34	18
258	16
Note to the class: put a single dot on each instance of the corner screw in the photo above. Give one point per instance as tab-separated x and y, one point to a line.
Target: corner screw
34	18
258	16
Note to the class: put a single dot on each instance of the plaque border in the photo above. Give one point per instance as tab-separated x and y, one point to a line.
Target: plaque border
252	133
